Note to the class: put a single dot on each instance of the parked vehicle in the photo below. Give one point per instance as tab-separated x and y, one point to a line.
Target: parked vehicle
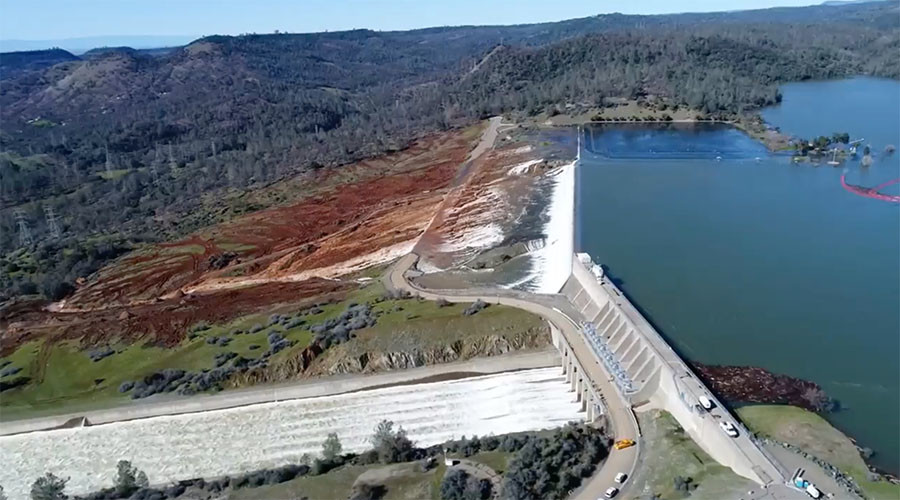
612	492
813	491
706	403
729	429
621	477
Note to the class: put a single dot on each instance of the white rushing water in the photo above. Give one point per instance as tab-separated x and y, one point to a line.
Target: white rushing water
552	264
265	435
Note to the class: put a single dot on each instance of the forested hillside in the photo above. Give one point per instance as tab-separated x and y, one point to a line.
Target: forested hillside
121	146
715	71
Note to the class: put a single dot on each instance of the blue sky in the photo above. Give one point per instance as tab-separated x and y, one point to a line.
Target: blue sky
60	19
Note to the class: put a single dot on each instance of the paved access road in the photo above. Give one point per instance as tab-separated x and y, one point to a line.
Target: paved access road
553	310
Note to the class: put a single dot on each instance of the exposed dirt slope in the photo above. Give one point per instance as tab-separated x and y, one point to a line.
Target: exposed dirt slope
163	322
373	207
479	212
353	217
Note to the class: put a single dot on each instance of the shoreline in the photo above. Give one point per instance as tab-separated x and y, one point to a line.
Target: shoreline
751	124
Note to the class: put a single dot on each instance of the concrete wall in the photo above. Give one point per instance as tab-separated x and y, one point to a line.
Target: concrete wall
581	385
660	377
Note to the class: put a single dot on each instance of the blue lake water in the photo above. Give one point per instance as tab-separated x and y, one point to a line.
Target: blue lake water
740	257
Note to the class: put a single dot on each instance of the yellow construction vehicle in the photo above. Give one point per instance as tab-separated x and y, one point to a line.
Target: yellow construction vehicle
624	443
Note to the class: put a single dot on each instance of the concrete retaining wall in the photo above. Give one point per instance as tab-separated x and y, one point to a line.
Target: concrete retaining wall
659	376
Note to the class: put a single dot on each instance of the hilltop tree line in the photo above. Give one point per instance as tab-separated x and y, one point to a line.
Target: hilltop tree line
128	147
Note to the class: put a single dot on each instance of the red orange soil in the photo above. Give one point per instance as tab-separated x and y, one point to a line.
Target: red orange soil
354	216
164	322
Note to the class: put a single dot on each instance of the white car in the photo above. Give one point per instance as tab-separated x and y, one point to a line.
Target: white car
611	492
621	477
706	403
813	491
729	429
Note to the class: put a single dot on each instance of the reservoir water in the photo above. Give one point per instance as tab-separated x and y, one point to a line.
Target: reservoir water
740	257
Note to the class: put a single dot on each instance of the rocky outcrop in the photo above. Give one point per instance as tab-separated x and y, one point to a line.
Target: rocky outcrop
347	358
365	357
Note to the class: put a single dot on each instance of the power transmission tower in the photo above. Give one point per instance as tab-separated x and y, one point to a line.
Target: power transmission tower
154	171
24	232
108	161
52	222
172	164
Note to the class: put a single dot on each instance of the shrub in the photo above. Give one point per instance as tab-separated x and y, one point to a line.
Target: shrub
366	491
475	307
201	327
392	446
98	354
684	484
533	472
223	358
460	485
49	487
129	478
331	448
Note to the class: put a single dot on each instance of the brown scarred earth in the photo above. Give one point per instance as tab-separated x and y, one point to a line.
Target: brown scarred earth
353	217
489	196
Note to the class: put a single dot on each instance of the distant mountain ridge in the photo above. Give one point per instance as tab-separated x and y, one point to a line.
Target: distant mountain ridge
133	143
83	44
12	63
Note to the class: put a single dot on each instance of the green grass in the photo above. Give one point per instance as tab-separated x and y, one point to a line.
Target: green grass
813	434
497	460
669	452
335	485
192	249
114	174
65	379
41	123
228	246
406	482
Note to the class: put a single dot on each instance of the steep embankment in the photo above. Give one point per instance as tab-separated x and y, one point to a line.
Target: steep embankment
427	334
368	357
367	213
